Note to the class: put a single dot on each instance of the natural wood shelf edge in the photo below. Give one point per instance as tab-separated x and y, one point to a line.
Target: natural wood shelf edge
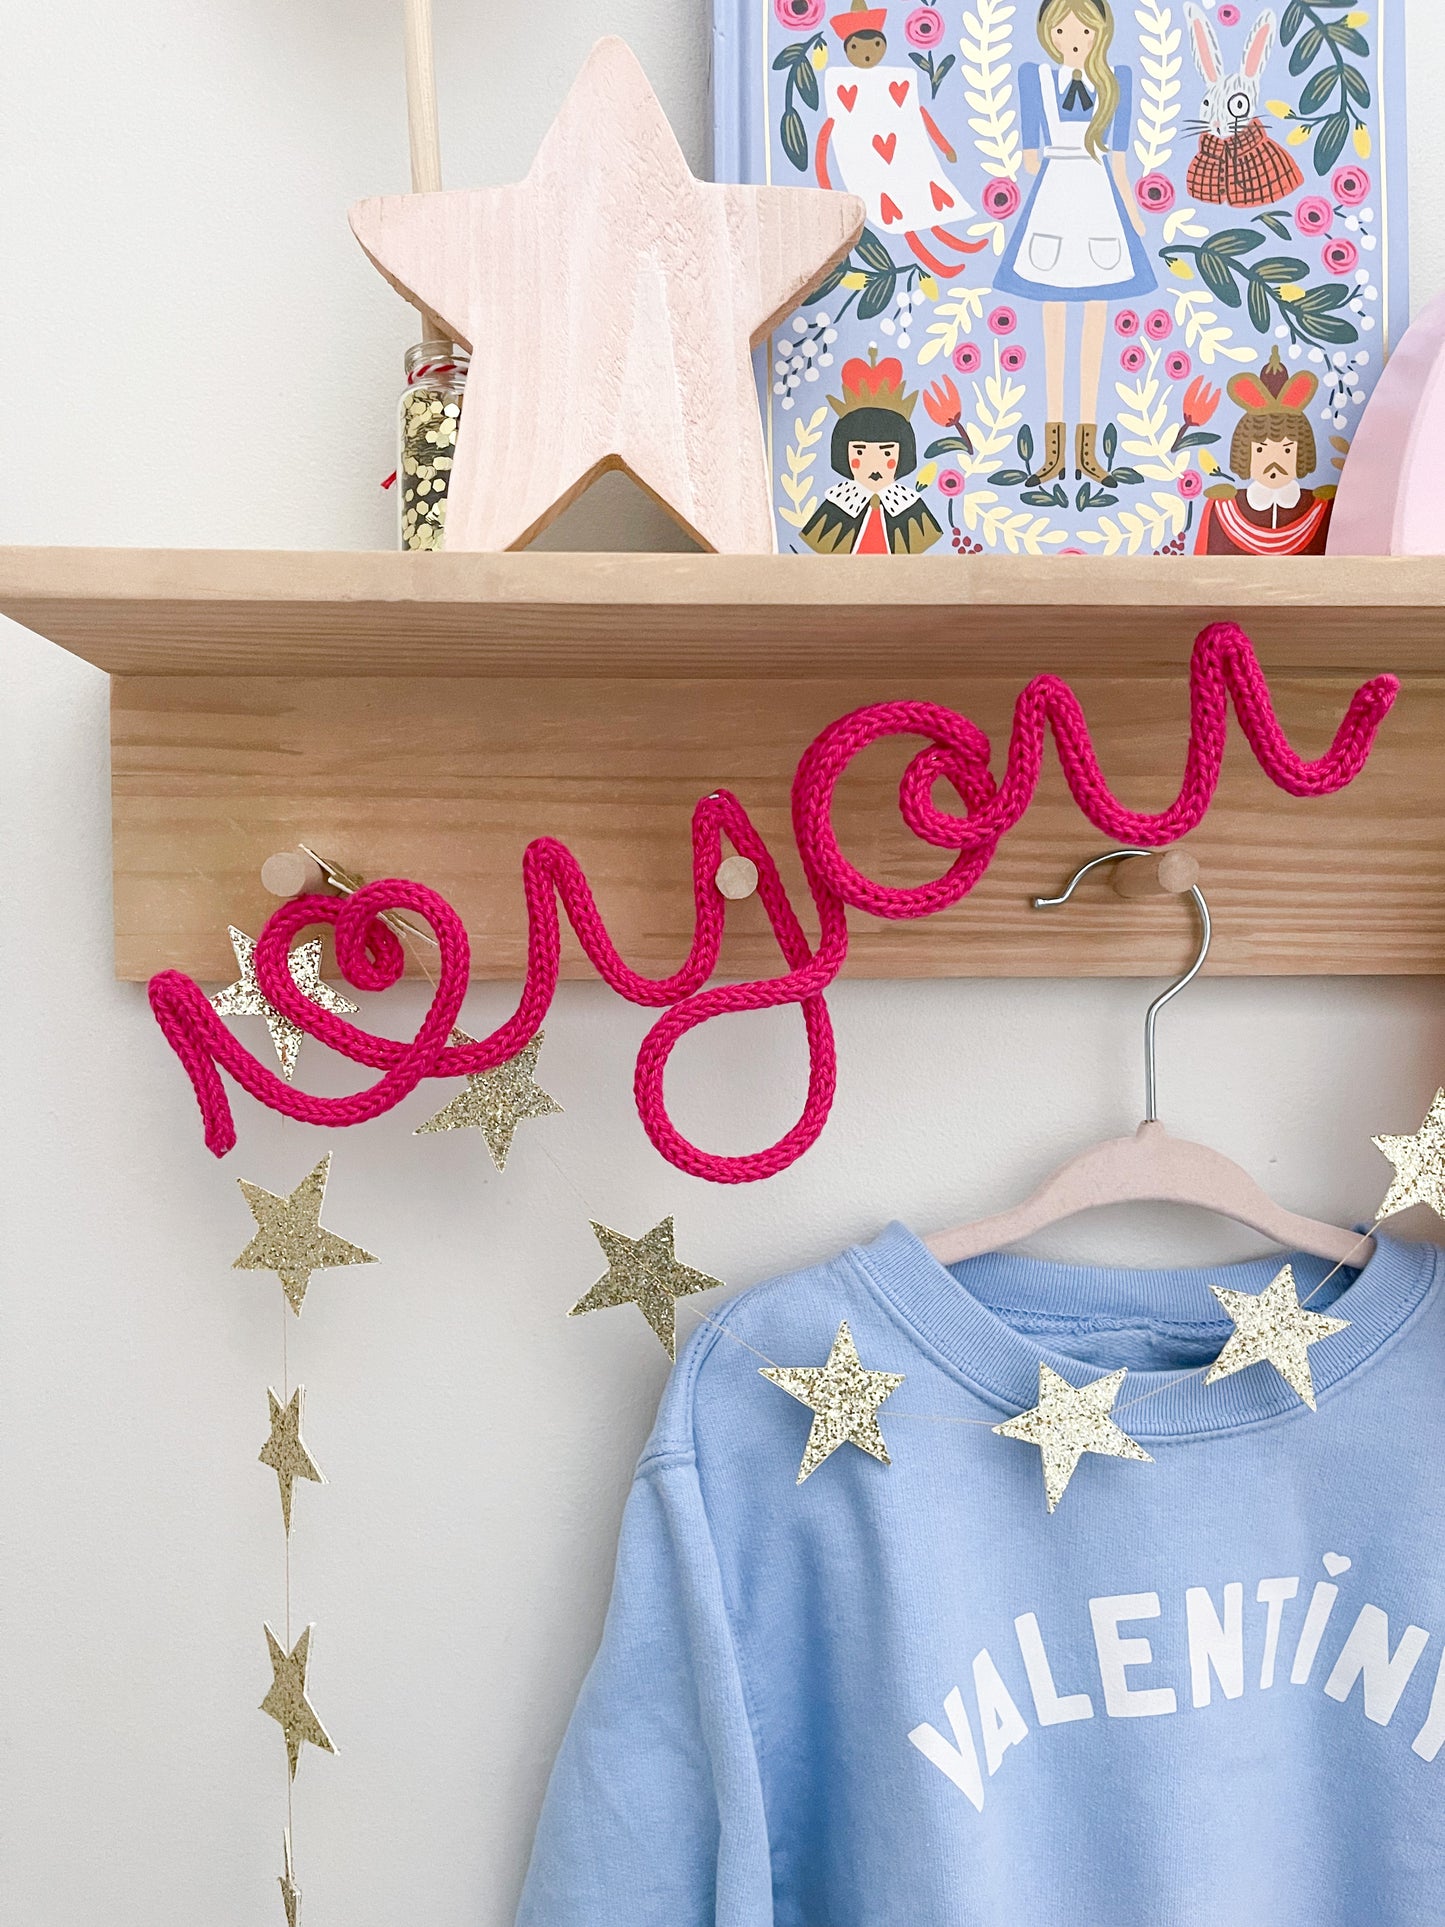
186	612
425	715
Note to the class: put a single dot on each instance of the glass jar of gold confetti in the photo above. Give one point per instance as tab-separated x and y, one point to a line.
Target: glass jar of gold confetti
428	419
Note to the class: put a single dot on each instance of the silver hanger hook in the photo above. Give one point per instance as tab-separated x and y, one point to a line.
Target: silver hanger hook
1151	1098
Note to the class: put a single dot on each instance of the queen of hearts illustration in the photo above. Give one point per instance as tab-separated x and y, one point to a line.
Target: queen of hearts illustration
880	141
1079	241
872	511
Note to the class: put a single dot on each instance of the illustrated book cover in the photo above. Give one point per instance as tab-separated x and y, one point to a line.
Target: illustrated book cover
1128	276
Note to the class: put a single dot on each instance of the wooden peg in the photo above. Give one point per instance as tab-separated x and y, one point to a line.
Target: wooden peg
1163	873
737	877
291	873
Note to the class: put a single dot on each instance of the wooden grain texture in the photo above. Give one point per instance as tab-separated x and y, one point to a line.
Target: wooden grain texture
189	612
610	301
445	779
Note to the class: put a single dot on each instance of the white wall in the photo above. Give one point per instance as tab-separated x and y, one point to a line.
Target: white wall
193	351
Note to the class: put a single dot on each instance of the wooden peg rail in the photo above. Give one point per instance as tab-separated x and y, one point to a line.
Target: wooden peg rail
425	715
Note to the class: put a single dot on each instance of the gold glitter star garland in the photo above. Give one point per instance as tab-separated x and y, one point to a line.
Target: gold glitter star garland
1271	1327
291	1241
843	1396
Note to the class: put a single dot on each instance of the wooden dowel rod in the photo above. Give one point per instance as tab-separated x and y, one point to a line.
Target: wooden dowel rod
423	129
1165	873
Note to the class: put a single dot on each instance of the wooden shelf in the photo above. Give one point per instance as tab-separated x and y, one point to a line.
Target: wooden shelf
186	612
426	715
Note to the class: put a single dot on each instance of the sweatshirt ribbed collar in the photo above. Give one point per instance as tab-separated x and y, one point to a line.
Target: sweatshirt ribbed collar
992	1319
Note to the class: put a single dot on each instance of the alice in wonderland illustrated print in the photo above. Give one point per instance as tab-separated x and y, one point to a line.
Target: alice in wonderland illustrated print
1139	265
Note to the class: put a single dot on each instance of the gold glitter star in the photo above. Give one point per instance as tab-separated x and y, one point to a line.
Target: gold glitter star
644	1272
1419	1163
843	1399
1273	1325
285	1451
287	1702
291	1239
1068	1421
244	998
496	1101
290	1892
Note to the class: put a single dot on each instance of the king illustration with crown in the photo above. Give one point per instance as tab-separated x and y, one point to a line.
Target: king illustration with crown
872	511
1272	447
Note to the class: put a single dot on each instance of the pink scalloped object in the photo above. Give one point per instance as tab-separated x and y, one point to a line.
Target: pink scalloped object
1223	668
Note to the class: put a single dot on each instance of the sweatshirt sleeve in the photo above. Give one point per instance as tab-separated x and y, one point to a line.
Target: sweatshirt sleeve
654	1813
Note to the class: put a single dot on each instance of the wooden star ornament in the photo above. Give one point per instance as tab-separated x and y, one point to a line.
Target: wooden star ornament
609	301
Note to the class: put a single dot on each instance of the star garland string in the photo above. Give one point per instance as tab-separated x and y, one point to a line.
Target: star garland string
1067	1422
1271	1327
291	1241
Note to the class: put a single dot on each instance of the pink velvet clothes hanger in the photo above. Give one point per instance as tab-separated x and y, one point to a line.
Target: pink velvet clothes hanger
1151	1166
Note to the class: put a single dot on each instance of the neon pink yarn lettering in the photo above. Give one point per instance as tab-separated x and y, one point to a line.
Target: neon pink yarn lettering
1222	667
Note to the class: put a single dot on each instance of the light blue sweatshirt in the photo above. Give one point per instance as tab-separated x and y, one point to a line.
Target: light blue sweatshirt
1205	1692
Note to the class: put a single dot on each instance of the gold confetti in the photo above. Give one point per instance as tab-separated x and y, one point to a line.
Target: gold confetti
285	1451
1068	1421
1273	1326
429	414
644	1272
287	1703
496	1101
244	998
1419	1163
843	1398
291	1239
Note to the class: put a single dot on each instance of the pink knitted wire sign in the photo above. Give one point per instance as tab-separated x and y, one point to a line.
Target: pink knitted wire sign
1223	667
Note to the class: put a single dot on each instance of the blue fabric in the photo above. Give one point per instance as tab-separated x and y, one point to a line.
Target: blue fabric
1008	277
906	1696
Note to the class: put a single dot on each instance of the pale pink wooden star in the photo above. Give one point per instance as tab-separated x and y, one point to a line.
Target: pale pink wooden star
609	301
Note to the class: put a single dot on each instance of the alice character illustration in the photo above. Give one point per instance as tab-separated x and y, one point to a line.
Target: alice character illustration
872	511
1080	236
1237	162
883	140
1273	445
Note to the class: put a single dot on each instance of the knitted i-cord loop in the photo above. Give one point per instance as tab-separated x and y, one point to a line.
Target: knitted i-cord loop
370	957
1223	666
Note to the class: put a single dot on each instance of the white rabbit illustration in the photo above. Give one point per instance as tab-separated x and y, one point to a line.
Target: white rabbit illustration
1230	99
1237	162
